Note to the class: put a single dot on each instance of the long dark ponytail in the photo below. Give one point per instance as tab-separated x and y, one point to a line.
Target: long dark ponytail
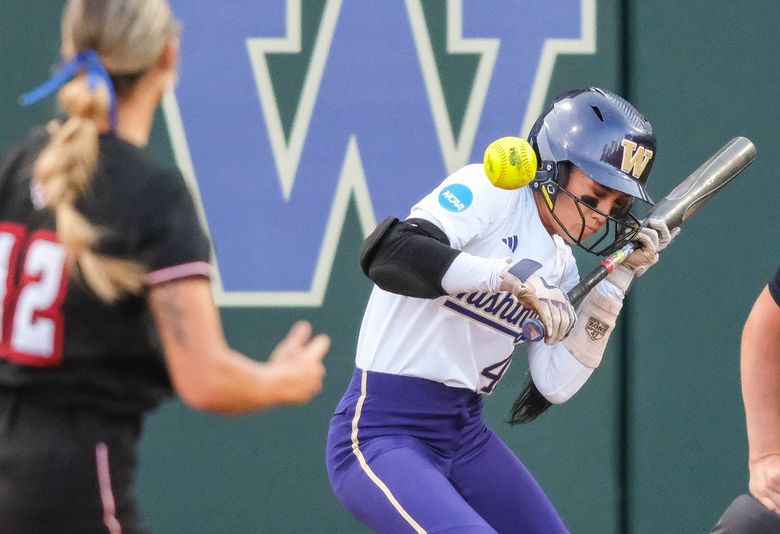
529	405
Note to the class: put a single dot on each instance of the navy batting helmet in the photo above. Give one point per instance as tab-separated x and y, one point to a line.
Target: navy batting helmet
605	137
602	134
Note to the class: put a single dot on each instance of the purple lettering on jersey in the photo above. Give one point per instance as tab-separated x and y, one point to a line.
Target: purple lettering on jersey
508	314
454	306
486	309
490	301
520	316
479	300
494	373
507	301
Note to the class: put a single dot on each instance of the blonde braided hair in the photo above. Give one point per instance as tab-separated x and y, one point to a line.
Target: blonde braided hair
128	36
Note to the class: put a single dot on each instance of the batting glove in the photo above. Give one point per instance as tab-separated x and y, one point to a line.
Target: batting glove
553	306
652	239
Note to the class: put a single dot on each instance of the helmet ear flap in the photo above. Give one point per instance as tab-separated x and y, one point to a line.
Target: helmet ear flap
549	178
545	183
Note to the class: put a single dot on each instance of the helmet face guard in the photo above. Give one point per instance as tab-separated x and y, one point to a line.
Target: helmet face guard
610	141
623	225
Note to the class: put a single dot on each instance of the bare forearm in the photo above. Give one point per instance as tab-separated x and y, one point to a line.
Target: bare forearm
238	384
760	369
210	376
229	383
761	393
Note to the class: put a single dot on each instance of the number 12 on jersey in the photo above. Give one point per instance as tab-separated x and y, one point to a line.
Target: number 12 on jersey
33	280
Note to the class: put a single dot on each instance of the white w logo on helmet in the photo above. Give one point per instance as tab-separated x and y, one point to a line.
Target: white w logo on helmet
635	158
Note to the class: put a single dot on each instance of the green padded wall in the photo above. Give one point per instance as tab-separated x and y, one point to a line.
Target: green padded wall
705	72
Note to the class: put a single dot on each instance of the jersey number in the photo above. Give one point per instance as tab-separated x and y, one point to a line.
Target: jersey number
494	373
31	318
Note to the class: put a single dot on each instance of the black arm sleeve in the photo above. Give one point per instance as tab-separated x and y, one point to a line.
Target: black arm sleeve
407	257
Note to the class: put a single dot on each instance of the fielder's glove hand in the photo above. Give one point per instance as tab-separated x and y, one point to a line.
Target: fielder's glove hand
652	239
553	306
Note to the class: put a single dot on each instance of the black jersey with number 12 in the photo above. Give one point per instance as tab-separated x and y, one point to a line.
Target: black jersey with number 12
57	337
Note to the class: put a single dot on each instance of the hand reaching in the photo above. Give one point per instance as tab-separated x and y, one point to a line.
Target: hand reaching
297	360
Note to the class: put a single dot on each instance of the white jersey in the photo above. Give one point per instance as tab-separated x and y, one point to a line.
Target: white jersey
465	340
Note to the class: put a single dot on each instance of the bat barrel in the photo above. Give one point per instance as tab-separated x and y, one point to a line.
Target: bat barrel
693	192
675	208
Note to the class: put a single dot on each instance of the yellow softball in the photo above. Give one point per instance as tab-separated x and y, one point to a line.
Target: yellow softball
510	162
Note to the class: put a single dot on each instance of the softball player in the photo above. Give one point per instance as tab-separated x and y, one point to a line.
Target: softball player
408	449
106	300
759	512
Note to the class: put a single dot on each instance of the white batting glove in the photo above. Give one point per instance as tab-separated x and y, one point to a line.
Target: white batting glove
597	315
553	306
652	239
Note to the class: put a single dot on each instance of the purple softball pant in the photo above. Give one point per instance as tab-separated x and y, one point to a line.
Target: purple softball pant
406	454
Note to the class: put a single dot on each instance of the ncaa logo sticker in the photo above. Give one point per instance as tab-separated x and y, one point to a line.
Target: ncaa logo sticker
456	197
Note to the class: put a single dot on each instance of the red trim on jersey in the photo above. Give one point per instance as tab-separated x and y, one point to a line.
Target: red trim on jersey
185	270
6	321
106	493
53	312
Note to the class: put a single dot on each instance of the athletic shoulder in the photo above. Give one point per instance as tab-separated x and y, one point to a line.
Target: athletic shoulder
147	205
483	194
466	204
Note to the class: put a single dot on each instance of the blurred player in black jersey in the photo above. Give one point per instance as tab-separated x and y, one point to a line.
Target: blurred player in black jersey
105	291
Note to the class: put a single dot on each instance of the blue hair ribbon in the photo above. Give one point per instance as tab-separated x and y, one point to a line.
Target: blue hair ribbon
96	74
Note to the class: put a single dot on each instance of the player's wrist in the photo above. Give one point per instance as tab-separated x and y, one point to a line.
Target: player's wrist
278	382
621	278
757	459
